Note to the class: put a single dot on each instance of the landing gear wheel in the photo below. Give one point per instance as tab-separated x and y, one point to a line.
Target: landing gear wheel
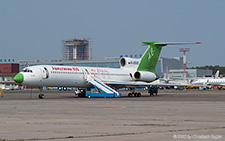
139	94
129	95
41	96
134	94
89	96
81	95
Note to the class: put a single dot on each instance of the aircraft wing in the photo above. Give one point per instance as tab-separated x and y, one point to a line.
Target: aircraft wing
137	84
215	84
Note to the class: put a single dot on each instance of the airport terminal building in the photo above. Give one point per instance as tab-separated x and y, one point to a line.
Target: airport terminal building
7	73
191	73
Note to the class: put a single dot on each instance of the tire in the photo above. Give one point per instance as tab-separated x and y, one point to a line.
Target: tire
139	94
41	96
129	95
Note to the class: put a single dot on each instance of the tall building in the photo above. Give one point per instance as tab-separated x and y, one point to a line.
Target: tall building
76	49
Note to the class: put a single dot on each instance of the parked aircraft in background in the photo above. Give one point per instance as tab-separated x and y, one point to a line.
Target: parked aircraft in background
216	81
132	73
217	74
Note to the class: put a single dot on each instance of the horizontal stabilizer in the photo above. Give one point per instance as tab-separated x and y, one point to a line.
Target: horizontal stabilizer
176	43
170	43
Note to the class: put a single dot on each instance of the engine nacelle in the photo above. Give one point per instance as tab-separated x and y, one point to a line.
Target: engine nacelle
145	76
129	62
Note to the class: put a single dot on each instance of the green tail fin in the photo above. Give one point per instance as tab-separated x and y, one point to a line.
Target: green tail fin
150	57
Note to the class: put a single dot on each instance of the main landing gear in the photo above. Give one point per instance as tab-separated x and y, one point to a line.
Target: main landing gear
81	92
41	95
134	94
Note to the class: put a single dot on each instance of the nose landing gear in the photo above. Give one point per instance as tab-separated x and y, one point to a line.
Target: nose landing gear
41	95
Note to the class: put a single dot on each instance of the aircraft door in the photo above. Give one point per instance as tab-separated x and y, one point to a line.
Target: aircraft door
85	73
45	73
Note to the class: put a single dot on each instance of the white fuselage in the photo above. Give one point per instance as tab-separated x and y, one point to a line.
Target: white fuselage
72	76
209	81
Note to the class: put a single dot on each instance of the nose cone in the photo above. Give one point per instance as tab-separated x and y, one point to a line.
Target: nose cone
19	78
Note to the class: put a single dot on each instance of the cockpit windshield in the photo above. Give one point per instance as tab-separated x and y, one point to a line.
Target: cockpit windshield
27	70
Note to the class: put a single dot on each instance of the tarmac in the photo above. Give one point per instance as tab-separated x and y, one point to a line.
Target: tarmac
63	116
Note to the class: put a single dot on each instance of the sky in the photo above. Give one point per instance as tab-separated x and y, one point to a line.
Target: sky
34	29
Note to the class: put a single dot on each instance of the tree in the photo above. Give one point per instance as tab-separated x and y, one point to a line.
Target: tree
213	68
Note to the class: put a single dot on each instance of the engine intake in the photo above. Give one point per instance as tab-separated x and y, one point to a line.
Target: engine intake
145	76
129	62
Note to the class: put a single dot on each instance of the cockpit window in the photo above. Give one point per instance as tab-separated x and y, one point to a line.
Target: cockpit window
27	70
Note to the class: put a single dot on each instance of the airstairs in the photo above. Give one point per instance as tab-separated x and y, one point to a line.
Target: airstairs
104	89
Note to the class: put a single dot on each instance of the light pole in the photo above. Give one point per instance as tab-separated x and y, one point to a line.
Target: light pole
184	50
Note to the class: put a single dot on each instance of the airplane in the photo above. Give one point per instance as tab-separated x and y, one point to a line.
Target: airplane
210	81
133	73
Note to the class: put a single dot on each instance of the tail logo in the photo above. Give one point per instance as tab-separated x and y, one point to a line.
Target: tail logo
150	54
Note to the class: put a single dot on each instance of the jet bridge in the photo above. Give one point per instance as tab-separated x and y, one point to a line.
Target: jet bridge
104	90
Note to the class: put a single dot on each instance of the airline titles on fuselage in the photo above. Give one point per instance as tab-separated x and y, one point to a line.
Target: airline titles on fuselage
77	69
65	69
99	70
